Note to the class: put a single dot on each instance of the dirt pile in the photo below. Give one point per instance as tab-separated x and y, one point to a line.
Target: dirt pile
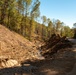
13	45
54	45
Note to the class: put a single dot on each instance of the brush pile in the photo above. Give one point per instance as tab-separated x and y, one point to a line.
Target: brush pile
54	45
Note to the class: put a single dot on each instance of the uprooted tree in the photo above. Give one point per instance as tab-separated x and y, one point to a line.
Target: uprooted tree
55	44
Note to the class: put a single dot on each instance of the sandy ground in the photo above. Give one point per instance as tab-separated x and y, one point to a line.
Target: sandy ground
63	64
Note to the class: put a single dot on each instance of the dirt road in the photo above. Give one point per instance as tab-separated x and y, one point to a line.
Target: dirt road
73	71
63	64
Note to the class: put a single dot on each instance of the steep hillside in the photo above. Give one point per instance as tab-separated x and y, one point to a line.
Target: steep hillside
13	45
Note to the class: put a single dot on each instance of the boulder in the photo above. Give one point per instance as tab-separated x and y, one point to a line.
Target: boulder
9	63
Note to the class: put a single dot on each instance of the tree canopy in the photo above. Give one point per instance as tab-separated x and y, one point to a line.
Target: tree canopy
21	17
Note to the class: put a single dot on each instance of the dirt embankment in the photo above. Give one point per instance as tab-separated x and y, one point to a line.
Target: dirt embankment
13	45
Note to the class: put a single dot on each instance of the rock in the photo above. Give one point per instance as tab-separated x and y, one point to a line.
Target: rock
9	63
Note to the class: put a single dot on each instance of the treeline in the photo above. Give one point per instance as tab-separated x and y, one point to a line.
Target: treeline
22	16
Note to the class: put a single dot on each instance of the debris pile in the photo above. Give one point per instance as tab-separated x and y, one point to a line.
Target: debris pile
54	45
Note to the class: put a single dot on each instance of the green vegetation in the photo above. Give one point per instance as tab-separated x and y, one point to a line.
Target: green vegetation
21	17
74	30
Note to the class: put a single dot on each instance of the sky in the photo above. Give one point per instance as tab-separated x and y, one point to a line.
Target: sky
64	10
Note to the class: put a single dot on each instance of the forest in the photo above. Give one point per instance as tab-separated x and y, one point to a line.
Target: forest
35	44
23	17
